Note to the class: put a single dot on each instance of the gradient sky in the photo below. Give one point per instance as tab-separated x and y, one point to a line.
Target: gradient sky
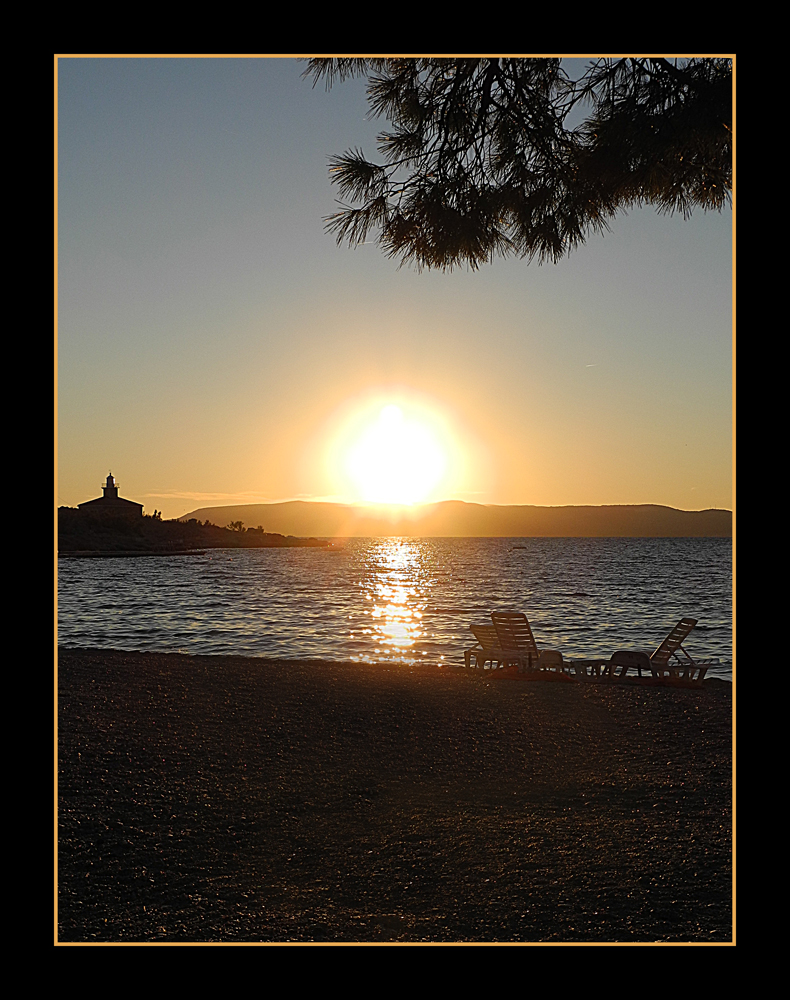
216	346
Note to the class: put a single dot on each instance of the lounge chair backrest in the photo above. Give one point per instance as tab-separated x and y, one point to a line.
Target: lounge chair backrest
672	642
485	635
514	632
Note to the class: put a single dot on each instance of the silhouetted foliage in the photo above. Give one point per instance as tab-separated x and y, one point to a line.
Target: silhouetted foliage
81	532
480	159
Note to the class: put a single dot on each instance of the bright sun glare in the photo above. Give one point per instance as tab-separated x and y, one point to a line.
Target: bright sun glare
397	459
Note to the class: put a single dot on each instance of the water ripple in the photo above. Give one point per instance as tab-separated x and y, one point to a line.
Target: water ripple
404	600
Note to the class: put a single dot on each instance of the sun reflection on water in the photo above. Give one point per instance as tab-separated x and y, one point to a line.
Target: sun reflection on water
395	583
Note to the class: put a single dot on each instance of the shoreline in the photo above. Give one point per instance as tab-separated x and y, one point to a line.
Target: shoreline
107	554
266	659
230	798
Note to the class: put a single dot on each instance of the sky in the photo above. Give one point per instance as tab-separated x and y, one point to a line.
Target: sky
215	345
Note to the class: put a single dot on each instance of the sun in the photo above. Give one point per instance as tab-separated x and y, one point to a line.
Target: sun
396	459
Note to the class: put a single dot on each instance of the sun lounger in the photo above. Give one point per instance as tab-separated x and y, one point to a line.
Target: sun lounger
668	664
515	633
515	637
487	648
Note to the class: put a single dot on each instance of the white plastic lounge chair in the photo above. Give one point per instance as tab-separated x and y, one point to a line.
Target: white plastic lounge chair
668	664
515	636
487	648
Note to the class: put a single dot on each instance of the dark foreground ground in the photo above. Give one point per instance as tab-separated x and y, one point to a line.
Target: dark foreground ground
233	799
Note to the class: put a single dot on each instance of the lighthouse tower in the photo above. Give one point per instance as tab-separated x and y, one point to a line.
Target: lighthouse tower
110	488
110	504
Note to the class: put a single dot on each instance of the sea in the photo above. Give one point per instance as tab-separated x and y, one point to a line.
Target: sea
404	600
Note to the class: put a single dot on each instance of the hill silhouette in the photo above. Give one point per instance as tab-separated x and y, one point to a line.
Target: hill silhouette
457	518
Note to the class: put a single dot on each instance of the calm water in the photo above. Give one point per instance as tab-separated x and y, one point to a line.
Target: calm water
404	600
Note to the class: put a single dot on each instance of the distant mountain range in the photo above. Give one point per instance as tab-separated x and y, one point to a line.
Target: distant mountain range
456	518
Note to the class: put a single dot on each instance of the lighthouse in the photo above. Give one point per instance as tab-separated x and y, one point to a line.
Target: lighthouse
110	489
110	504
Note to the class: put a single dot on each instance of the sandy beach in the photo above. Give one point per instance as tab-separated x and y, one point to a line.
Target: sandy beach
230	799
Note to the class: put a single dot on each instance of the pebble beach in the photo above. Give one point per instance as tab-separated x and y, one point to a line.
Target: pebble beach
239	799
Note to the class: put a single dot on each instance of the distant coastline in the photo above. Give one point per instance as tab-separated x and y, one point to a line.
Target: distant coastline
81	535
457	518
